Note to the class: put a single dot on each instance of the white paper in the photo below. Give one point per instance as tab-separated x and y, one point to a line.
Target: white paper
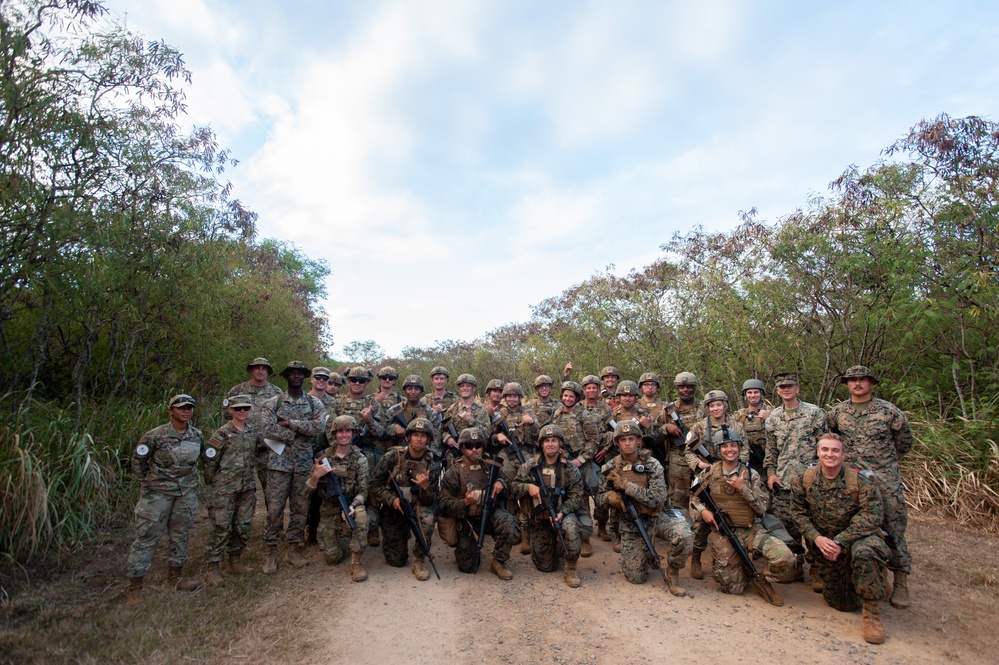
276	446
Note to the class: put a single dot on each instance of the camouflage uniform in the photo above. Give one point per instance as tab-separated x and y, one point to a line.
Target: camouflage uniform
287	472
259	395
388	439
755	430
543	409
697	435
668	525
479	418
679	470
728	569
227	464
828	508
335	536
395	529
164	462
502	525
875	437
371	433
447	400
546	550
421	410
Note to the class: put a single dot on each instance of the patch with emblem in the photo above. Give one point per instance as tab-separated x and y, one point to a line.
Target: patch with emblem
225	402
142	450
210	452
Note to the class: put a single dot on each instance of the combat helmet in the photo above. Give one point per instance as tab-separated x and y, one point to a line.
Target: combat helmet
753	384
513	388
628	388
859	372
574	387
439	370
610	370
724	433
387	371
626	427
413	380
590	378
494	384
344	422
715	396
542	379
466	378
471	435
685	379
358	372
649	376
420	425
549	431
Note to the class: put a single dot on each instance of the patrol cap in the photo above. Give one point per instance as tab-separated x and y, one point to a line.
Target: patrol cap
439	370
685	379
513	388
413	380
344	422
420	425
610	370
237	400
859	372
715	396
753	384
590	378
626	427
387	371
551	430
786	379
573	386
260	362
542	379
321	372
628	388
494	384
180	400
466	378
471	435
296	364
647	377
358	372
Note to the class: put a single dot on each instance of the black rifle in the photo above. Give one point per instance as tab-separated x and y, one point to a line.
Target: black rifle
675	417
448	425
358	439
332	487
606	451
414	523
724	524
547	493
702	450
488	506
632	514
400	418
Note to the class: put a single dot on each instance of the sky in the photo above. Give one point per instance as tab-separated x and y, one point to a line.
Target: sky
457	162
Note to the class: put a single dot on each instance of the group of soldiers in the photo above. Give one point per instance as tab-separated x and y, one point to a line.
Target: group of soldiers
610	458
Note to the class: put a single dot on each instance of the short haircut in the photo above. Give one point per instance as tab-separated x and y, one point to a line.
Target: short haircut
832	436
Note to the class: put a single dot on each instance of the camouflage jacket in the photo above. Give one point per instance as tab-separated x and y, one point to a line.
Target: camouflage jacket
452	497
259	395
581	431
526	433
353	473
396	463
792	437
655	407
653	496
351	406
543	409
753	426
754	492
305	421
875	438
227	460
408	413
432	400
478	417
827	508
688	413
696	436
566	478
164	459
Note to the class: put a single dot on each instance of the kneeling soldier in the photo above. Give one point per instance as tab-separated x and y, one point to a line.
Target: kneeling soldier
471	492
350	466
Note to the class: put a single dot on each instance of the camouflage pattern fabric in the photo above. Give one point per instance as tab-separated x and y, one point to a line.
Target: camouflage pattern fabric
335	536
445	400
543	409
395	529
728	569
409	413
546	550
373	431
679	475
471	416
228	463
755	430
698	434
259	395
792	437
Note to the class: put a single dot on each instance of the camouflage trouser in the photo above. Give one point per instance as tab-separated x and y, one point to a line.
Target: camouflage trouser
504	529
156	514
857	575
780	506
678	478
896	520
286	486
701	532
669	527
231	514
336	537
728	569
546	550
396	533
261	461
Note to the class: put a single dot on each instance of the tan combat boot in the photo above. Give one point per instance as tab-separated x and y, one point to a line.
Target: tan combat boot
617	542
420	571
817	584
571	578
294	555
272	559
673	582
176	580
357	572
602	532
874	629
525	542
501	570
374	537
213	576
695	566
585	549
134	594
900	596
236	567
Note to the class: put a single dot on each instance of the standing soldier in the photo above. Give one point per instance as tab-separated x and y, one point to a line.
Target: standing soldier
418	475
334	385
598	412
350	466
564	486
164	463
522	422
793	431
410	408
544	404
610	377
636	475
580	433
738	491
688	410
465	412
320	381
494	396
260	390
465	490
876	435
227	463
649	385
753	419
838	511
440	398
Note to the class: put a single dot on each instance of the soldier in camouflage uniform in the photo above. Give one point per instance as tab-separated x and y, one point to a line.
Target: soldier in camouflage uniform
418	474
350	465
648	383
227	464
320	381
544	404
609	377
738	491
876	435
599	413
494	396
523	423
291	422
581	433
753	419
410	408
688	410
440	398
635	473
463	413
462	498
163	461
334	385
563	480
260	390
838	511
387	396
793	431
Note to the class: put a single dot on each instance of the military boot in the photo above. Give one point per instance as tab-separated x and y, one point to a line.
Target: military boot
673	582
236	567
525	542
294	555
617	542
420	571
176	580
817	584
374	537
585	549
213	576
357	572
695	566
501	570
571	578
900	596
602	532
134	594
272	559
874	629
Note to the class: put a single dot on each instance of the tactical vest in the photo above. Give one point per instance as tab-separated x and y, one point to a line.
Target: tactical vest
571	425
852	484
406	469
628	471
754	427
473	477
730	500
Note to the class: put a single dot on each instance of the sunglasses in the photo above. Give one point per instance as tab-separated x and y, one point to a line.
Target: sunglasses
388	378
320	377
241	408
472	446
357	380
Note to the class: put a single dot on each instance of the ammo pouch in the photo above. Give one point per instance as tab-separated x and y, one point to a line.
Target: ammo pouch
447	528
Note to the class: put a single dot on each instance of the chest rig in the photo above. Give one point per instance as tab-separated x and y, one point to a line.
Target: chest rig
729	499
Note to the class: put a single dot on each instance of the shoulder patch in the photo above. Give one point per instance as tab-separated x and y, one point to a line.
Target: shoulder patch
225	402
142	450
866	473
211	452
